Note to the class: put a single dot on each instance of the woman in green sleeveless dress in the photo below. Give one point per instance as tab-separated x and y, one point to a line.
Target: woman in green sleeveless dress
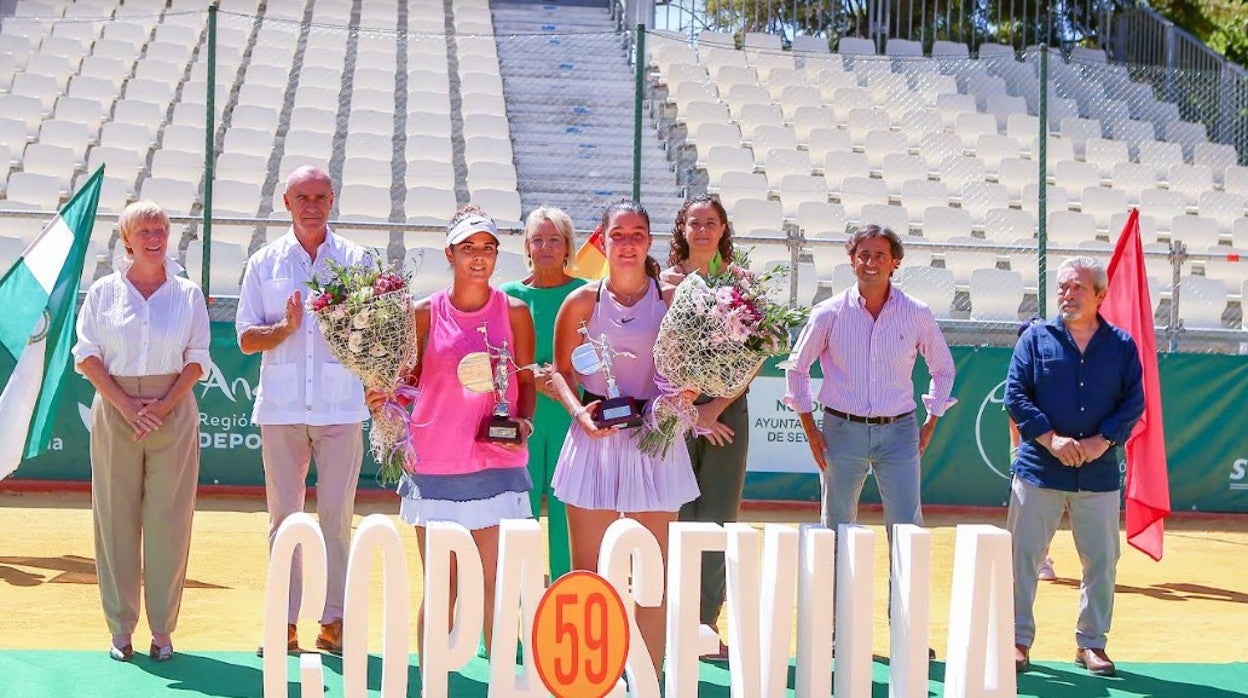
549	243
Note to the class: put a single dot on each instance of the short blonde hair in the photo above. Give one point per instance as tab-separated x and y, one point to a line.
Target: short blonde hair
562	222
136	213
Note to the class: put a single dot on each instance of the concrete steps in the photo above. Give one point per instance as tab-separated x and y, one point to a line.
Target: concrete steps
569	91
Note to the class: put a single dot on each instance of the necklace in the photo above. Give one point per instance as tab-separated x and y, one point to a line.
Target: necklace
628	298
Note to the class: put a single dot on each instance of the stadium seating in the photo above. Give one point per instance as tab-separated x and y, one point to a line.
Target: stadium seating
943	149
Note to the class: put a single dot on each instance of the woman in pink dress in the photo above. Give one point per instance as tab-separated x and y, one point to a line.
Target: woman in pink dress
457	478
602	475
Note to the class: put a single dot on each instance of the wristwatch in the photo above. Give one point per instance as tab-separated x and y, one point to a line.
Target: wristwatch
1111	442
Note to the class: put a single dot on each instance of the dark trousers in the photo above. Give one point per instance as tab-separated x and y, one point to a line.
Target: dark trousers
720	471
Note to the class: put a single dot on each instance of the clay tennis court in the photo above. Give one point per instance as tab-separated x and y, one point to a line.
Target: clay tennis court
1178	624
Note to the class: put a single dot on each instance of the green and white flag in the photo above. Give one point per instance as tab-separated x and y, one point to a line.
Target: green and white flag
38	307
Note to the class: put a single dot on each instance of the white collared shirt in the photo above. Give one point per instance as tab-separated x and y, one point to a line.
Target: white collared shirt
137	336
300	381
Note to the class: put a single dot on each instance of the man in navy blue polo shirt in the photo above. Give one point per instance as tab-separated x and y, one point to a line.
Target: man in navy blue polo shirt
1075	389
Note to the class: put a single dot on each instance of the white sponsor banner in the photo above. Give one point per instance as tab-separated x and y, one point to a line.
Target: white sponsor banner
777	442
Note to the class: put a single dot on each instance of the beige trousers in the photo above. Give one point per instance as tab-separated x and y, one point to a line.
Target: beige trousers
338	449
142	499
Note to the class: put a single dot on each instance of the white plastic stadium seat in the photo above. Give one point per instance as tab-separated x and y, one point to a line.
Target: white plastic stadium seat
225	273
758	217
174	195
932	285
996	294
1201	302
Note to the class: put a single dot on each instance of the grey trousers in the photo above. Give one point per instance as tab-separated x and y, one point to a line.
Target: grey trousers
720	471
1034	515
338	449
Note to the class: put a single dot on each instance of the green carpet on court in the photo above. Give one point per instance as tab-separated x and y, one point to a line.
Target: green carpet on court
48	674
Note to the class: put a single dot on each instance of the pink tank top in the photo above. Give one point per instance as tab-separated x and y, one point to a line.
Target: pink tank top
631	329
446	415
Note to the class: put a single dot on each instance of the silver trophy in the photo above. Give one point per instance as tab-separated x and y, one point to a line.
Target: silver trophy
490	371
597	356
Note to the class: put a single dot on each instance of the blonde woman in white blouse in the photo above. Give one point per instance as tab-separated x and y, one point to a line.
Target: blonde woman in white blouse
143	343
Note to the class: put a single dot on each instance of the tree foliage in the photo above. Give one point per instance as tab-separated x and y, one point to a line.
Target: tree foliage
1222	24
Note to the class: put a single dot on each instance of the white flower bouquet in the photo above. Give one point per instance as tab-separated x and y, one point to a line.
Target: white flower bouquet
714	338
365	314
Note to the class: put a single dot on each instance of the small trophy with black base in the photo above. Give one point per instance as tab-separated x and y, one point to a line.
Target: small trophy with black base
490	371
597	356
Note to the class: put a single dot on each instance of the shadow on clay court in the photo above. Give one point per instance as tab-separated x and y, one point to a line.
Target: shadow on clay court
64	569
1171	591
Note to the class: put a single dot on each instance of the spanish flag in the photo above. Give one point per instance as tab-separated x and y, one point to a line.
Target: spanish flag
591	259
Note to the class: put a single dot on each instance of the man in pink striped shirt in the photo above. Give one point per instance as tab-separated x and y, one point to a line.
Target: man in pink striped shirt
866	339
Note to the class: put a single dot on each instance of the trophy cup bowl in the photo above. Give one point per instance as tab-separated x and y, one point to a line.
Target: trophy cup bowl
614	410
476	372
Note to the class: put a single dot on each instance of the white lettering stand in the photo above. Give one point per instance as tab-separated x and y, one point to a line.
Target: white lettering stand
687	542
446	650
311	676
981	615
816	587
741	572
779	580
376	535
521	565
855	575
910	611
629	551
298	530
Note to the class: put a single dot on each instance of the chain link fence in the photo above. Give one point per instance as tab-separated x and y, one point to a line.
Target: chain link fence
516	106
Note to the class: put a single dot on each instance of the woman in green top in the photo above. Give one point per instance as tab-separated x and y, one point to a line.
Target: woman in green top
702	243
549	243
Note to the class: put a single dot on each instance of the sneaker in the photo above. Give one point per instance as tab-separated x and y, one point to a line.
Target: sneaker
330	639
1046	573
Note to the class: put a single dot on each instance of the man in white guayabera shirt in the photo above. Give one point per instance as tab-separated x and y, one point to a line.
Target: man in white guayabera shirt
866	339
308	406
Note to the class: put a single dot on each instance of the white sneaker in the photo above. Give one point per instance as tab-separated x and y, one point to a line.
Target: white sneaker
1046	572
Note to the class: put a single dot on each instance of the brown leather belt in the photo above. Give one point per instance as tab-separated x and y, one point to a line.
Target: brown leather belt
874	421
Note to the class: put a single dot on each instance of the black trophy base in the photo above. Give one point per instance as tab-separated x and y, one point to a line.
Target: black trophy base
500	429
622	412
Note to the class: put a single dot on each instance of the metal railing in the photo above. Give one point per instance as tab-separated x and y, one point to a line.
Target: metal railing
1019	23
1142	37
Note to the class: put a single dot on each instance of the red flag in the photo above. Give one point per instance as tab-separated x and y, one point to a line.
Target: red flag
591	259
1128	305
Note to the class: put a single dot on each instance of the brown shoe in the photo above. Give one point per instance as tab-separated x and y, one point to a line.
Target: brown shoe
1095	661
330	639
1022	658
292	641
